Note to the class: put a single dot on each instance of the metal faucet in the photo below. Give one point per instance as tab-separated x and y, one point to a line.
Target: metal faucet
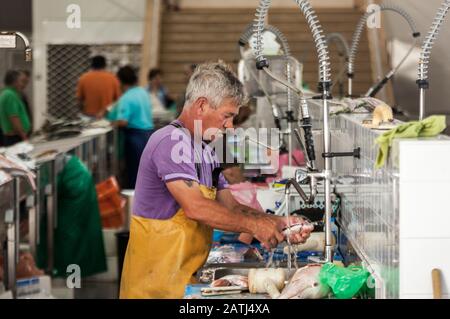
28	51
357	38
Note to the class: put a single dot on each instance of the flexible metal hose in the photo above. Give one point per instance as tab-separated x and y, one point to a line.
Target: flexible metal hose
430	39
344	51
322	51
245	38
259	27
426	53
249	31
319	39
362	23
316	30
339	38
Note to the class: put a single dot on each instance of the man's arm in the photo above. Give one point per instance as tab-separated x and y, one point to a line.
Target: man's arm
18	128
212	213
120	123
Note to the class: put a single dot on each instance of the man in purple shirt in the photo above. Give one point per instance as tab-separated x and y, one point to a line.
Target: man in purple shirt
181	196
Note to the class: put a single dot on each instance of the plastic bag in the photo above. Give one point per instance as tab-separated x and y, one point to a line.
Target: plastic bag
245	194
345	283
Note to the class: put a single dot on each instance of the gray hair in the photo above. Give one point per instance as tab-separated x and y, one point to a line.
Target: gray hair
216	82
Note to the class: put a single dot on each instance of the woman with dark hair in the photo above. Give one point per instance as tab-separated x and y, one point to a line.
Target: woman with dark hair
134	117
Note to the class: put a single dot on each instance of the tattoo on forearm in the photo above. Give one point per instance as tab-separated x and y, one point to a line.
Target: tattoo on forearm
189	183
250	212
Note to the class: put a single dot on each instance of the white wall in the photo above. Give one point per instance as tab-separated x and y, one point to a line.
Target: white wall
405	87
102	22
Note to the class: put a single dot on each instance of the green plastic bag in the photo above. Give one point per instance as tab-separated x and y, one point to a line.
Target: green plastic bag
345	283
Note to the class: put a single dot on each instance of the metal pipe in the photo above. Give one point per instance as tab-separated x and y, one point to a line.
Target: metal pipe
38	204
373	90
12	219
10	278
288	207
51	207
16	183
325	83
28	51
327	173
298	188
358	33
425	56
32	219
350	85
289	108
422	104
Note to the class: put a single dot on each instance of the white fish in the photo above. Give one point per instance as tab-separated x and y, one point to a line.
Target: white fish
17	168
305	284
231	280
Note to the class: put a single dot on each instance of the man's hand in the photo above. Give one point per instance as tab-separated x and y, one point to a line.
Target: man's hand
18	128
267	228
268	231
303	235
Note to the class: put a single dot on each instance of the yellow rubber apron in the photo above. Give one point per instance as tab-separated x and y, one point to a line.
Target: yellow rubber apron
163	255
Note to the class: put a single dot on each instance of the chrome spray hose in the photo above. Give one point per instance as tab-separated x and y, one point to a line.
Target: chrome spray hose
344	51
322	51
324	87
358	33
325	80
319	40
244	39
339	38
259	27
426	53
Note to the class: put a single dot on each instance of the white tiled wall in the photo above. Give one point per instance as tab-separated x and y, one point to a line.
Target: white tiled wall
424	216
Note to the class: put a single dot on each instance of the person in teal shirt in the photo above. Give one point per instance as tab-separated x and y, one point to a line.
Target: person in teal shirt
133	115
14	120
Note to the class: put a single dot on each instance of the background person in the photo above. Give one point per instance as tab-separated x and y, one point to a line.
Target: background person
97	89
134	117
14	121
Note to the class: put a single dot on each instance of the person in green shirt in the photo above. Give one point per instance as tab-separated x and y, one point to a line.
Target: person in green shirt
14	121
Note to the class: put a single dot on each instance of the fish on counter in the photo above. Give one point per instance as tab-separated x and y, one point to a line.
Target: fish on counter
305	284
231	280
14	167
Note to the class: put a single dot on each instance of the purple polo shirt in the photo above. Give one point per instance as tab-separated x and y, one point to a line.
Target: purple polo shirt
169	156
